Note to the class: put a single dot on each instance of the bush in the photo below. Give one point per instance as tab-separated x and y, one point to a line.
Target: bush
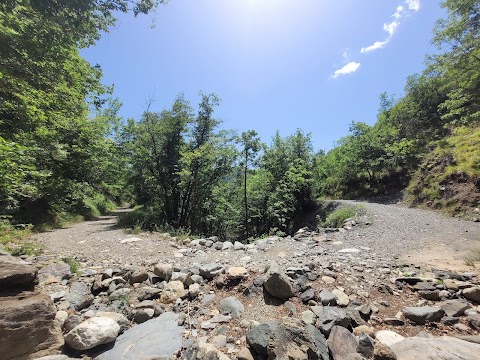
337	217
72	263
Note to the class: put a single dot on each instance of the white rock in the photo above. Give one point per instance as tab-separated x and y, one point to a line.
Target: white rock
130	240
388	337
92	332
172	291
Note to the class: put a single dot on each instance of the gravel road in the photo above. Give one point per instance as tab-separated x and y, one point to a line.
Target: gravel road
415	235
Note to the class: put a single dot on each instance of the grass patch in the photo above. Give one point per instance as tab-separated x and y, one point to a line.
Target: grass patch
13	238
72	263
336	218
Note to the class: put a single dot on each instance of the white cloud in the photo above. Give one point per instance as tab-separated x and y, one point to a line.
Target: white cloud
391	27
375	46
398	13
413	4
351	67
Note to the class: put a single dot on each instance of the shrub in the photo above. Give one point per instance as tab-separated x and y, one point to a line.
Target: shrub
337	217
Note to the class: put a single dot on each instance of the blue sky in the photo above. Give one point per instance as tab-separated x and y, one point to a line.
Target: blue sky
316	65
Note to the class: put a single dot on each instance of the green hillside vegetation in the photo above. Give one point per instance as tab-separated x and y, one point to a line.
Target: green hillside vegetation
66	154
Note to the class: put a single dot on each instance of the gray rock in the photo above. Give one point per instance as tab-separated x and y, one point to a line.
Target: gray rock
232	306
307	295
424	286
319	341
80	295
120	294
436	349
147	293
238	246
16	274
472	294
366	345
139	276
163	271
227	245
92	332
59	270
142	315
327	298
158	338
209	271
329	317
422	314
341	343
430	295
71	322
454	307
308	317
291	340
258	338
277	283
27	326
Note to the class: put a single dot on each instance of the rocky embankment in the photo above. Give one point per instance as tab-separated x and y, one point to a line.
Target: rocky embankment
302	297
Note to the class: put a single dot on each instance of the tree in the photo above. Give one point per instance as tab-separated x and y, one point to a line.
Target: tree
251	145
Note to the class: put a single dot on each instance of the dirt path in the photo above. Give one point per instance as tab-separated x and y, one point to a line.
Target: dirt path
414	235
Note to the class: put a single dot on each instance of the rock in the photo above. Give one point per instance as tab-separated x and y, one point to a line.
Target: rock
238	246
451	284
244	354
307	295
71	322
130	240
366	346
208	352
341	343
454	307
117	317
142	315
227	245
147	293
329	317
120	294
319	341
328	279
219	341
258	338
422	314
349	251
472	294
59	270
474	321
139	276
194	290
54	357
424	286
173	290
430	295
163	271
388	337
437	348
27	326
92	332
16	274
277	283
232	306
383	352
308	317
79	296
341	297
209	271
237	273
291	340
327	298
155	339
364	329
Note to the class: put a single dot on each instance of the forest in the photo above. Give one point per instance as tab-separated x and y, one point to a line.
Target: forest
66	154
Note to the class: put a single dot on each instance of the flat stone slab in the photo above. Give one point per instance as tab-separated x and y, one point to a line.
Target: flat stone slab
130	240
153	339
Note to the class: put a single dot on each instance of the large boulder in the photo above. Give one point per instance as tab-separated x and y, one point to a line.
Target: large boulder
159	338
277	283
92	332
444	348
27	326
16	274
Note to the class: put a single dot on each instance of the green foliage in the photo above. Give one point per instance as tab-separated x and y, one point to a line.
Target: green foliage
337	217
72	263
